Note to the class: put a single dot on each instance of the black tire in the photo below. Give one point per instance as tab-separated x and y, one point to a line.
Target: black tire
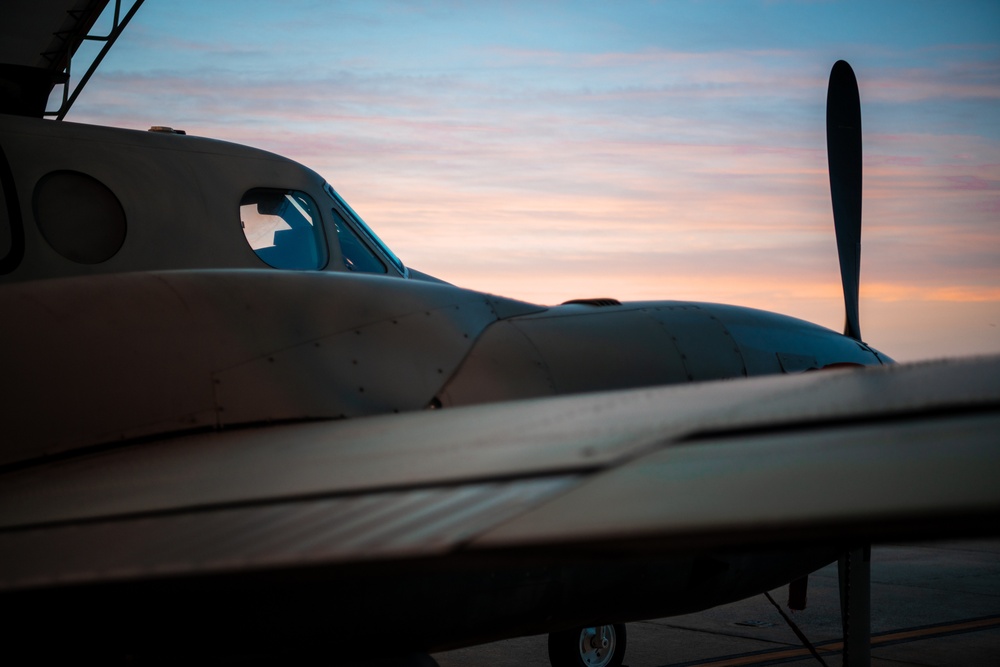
581	647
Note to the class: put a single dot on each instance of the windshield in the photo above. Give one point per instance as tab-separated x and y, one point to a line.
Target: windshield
364	229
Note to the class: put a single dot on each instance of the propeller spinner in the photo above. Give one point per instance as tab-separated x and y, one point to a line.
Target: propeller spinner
843	146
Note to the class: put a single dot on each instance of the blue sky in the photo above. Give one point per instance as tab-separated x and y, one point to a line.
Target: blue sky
675	150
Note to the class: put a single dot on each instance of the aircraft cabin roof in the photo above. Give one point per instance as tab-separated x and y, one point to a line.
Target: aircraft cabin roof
80	199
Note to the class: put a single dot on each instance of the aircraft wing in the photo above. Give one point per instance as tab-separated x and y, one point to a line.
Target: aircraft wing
45	33
37	40
830	457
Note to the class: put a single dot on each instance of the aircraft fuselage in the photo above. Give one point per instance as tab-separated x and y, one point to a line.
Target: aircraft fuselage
144	295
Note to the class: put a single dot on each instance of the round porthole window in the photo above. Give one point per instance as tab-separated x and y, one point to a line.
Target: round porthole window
79	217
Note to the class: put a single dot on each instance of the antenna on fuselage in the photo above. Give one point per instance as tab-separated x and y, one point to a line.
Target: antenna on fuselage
843	146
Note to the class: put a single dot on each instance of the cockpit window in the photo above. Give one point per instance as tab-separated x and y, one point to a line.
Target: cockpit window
369	237
357	256
283	227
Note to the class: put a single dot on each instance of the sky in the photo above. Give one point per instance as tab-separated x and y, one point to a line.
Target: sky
638	150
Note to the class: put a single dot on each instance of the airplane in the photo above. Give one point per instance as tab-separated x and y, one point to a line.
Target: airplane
236	424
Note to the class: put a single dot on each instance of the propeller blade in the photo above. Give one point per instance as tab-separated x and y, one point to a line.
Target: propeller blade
843	146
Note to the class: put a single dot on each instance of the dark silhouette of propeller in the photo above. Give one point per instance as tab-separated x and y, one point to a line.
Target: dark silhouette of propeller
843	146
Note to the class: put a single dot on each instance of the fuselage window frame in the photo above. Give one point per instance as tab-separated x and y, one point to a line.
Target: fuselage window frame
360	229
354	252
290	220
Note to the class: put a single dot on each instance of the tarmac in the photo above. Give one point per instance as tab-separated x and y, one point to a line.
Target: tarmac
933	605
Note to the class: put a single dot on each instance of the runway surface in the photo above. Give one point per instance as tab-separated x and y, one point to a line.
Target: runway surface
933	605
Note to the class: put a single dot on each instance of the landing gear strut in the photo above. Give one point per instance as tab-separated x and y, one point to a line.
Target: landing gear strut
602	646
855	605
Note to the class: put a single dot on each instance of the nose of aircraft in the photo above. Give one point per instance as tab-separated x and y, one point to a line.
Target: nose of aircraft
773	343
577	348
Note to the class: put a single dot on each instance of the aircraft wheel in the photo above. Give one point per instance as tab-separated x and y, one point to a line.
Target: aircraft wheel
602	646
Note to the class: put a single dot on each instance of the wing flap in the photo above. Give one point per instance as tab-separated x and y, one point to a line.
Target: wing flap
417	523
883	480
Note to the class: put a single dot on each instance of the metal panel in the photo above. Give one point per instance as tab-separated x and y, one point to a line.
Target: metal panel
503	365
393	365
154	342
416	523
497	441
351	456
589	349
832	483
832	455
707	349
763	338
